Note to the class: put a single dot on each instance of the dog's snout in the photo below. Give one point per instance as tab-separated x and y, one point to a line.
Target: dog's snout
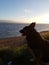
20	31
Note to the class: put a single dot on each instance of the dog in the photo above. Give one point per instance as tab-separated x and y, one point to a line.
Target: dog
38	45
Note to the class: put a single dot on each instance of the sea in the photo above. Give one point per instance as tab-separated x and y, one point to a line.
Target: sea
12	29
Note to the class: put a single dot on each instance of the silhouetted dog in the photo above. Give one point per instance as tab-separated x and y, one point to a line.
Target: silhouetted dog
39	46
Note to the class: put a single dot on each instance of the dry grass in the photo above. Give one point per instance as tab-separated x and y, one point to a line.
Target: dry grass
45	34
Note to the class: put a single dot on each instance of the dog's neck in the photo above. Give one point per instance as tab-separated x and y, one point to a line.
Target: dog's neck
34	38
34	35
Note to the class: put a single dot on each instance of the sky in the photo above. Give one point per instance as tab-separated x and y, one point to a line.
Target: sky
25	11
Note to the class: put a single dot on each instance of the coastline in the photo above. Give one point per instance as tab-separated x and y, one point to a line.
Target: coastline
12	41
17	41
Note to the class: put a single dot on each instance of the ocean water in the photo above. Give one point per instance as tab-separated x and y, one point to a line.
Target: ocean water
12	29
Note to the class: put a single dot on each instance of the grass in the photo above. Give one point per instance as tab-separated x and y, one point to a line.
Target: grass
20	55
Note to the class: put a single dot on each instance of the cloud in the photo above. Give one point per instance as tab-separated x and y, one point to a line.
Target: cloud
27	11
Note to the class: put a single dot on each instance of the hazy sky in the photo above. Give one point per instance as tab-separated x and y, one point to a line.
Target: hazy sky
25	10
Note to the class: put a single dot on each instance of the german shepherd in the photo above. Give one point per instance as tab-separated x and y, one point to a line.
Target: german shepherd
38	45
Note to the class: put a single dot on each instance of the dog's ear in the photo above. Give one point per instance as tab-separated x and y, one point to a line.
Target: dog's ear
33	24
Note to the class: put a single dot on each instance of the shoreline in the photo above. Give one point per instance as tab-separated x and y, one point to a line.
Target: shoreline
12	41
17	41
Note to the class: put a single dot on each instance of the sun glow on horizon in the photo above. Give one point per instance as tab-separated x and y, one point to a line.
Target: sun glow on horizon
42	19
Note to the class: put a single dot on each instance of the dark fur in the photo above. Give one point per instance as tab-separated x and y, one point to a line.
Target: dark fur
39	45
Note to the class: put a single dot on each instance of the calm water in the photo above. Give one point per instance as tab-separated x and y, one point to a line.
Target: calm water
11	30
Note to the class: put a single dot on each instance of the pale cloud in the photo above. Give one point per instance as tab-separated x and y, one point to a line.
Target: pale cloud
27	11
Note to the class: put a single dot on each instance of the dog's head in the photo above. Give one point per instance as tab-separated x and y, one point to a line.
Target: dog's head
26	30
